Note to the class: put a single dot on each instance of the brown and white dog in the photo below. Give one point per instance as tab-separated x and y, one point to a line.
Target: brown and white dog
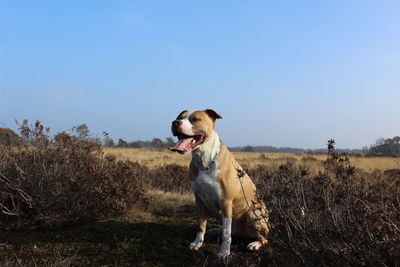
214	179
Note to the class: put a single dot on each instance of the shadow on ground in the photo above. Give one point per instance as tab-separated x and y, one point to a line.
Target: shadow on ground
114	243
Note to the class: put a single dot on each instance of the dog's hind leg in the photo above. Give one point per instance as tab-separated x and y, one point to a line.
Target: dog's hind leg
259	220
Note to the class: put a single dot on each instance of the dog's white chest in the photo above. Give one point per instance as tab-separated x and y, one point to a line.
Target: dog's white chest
207	188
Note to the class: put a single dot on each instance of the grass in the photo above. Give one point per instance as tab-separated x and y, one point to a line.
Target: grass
156	158
155	238
159	232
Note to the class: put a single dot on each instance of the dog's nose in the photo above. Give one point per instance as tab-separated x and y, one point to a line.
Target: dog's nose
176	123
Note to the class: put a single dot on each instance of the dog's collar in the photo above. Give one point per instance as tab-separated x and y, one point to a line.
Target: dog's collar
200	165
200	157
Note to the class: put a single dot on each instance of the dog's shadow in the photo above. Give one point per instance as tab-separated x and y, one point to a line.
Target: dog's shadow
120	243
107	243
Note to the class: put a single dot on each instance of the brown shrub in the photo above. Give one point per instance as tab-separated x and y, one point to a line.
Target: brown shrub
338	216
341	216
54	181
8	137
170	178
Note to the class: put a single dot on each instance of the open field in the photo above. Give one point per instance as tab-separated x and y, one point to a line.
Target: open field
69	202
156	158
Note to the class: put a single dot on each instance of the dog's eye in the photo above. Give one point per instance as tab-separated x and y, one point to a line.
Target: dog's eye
195	119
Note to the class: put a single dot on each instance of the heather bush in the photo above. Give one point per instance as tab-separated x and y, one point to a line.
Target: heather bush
170	178
53	181
341	216
8	137
338	216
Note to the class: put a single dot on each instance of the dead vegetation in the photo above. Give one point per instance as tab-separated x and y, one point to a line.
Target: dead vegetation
341	216
50	182
335	214
157	158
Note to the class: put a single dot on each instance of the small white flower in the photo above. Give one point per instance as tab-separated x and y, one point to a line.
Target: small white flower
303	213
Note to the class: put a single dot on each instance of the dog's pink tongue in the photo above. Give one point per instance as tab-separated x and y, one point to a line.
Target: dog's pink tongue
182	145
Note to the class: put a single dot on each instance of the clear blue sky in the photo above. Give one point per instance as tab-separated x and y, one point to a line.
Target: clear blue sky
281	73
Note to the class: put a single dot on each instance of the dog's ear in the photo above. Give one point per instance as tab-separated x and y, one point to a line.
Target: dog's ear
181	115
212	114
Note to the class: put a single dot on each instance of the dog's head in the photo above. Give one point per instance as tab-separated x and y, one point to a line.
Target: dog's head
193	128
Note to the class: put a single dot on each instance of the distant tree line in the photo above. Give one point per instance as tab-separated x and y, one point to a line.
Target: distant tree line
272	149
386	147
382	147
156	143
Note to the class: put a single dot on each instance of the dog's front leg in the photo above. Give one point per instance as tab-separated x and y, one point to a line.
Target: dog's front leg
202	223
198	242
225	251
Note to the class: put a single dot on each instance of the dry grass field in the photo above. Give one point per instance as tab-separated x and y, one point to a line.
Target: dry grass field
157	158
67	201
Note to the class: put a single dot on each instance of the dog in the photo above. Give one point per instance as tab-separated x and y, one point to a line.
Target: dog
220	185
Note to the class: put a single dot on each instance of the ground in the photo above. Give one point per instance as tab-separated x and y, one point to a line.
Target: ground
158	233
137	239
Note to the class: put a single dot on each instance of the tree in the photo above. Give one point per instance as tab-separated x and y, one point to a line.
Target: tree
157	143
136	144
82	130
9	138
169	141
108	142
396	141
387	147
248	149
122	143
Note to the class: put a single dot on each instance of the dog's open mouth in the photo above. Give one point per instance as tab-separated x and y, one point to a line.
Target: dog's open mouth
187	143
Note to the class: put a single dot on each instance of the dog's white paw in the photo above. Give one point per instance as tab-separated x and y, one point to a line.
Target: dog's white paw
198	242
195	245
254	245
223	255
